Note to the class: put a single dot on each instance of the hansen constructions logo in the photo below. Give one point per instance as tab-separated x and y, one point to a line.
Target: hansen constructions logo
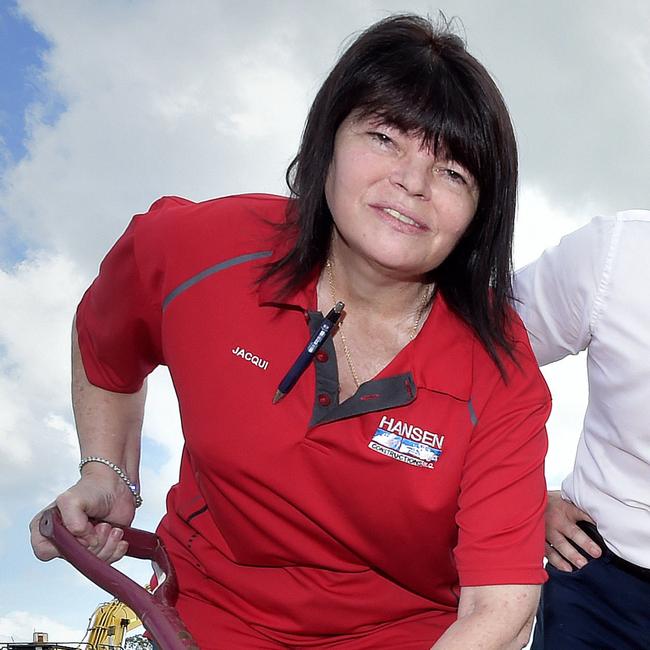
406	442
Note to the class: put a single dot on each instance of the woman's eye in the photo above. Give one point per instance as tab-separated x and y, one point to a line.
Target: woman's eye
456	176
451	174
380	137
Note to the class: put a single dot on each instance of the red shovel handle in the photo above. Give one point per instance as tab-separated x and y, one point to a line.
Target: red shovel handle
156	611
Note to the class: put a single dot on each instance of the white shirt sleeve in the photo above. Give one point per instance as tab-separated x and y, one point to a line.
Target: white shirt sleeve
557	295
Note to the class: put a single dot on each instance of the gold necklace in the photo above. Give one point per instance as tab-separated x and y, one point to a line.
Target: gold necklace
412	332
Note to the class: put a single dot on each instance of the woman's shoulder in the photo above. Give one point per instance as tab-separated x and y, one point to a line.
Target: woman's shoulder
173	224
177	213
521	374
176	238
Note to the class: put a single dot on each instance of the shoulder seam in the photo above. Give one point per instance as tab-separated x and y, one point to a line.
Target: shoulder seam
605	275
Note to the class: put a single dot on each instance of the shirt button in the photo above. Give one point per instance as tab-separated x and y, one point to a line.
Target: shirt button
324	399
322	356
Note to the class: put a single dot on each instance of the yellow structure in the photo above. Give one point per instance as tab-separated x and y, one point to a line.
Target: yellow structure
109	624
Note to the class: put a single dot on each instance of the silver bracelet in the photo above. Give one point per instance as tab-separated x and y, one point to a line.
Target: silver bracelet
119	471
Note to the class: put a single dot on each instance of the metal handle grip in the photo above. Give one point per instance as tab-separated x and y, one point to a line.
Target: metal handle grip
156	611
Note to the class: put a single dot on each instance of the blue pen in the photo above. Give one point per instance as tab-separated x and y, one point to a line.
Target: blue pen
300	364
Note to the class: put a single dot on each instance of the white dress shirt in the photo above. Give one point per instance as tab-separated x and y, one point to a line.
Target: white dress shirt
592	291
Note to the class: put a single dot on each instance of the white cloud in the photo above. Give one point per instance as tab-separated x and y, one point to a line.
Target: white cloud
567	380
163	423
163	427
37	296
20	626
154	105
542	223
576	79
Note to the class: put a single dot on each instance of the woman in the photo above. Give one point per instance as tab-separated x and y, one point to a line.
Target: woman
394	497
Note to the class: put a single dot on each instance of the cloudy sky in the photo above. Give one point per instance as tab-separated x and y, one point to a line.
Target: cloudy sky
104	106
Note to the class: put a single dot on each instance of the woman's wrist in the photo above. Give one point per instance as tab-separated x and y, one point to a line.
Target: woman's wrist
95	462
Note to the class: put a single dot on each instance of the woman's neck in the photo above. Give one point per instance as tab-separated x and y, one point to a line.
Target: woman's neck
369	287
383	313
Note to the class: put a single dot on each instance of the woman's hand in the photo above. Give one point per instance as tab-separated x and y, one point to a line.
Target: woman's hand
99	494
561	518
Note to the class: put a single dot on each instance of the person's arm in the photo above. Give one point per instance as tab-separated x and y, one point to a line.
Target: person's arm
501	507
561	530
557	296
492	617
108	426
116	343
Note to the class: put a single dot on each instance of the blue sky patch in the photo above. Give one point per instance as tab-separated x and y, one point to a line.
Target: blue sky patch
21	60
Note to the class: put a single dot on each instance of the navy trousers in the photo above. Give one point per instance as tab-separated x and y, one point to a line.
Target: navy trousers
598	607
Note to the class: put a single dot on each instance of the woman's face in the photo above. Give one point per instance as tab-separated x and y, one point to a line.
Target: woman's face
394	204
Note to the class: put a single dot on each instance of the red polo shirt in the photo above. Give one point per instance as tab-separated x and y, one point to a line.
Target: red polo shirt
310	522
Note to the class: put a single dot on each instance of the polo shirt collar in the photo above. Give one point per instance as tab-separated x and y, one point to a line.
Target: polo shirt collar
440	358
269	290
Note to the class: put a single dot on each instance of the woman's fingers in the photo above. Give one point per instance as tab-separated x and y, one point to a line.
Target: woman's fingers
112	547
105	541
120	551
102	534
76	505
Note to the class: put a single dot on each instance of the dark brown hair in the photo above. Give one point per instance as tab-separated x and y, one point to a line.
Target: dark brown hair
418	77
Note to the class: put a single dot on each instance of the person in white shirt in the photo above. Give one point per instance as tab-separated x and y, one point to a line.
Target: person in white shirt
592	292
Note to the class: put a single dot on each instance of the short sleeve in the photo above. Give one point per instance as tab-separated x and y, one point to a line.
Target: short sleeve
119	318
503	490
556	295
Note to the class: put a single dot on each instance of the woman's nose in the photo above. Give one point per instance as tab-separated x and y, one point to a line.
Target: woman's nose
412	175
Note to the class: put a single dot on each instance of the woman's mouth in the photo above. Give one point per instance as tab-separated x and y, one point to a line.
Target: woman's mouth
401	217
